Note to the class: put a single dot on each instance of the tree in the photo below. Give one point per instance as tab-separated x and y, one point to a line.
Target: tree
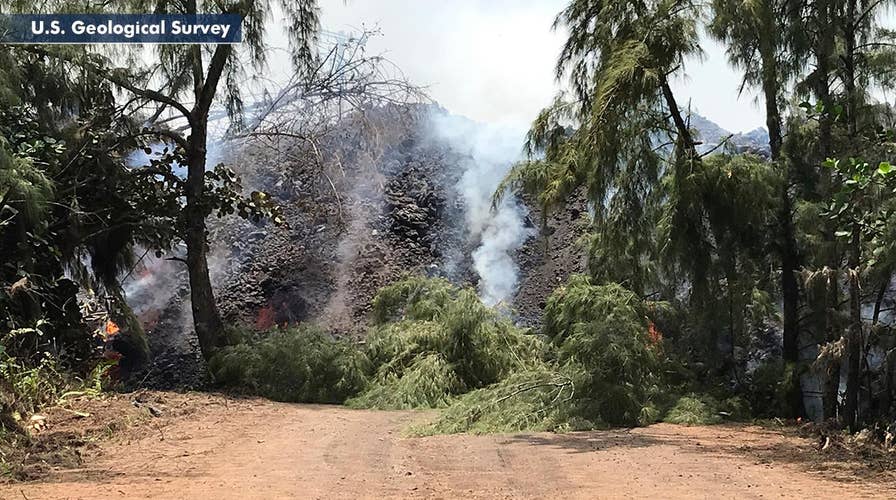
60	229
756	33
617	60
861	210
187	80
206	76
853	55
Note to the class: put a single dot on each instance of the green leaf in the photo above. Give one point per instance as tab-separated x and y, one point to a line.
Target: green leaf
842	234
884	168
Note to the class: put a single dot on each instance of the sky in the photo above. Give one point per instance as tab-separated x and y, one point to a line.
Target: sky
493	60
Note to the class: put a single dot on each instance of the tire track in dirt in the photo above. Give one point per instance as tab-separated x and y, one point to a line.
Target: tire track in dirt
241	449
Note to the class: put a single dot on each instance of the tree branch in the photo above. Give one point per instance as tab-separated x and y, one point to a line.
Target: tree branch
215	69
113	75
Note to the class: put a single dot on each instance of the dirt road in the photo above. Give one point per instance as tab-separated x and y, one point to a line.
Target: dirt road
245	449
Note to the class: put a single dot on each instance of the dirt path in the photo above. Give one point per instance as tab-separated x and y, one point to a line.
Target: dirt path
257	449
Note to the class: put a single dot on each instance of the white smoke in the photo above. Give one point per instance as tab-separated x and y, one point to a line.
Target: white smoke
500	231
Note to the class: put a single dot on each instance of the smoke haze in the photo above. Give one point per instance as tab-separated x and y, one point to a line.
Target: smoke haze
490	152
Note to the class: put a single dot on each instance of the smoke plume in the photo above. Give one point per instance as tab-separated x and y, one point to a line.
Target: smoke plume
490	152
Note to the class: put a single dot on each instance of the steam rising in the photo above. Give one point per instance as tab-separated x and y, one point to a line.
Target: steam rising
500	231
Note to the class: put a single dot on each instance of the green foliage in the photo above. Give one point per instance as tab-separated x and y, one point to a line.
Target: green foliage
601	331
715	226
429	381
33	385
70	211
863	205
27	385
695	410
610	138
735	408
768	385
24	189
301	364
539	399
448	343
580	302
413	298
601	369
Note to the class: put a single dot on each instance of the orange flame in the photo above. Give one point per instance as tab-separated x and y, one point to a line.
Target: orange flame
265	317
111	328
655	336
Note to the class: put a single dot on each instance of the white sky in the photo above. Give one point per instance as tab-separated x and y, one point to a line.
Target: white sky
493	60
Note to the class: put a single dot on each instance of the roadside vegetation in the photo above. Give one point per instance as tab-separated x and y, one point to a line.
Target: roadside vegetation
598	362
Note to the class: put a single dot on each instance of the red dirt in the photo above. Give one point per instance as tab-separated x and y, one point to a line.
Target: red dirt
247	448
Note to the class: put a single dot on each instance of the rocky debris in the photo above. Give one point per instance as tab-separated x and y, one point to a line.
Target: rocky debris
360	222
175	359
549	258
414	208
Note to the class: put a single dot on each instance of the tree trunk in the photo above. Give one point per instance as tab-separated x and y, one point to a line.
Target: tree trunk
824	44
831	397
680	125
790	260
790	294
206	318
889	385
823	53
854	340
879	300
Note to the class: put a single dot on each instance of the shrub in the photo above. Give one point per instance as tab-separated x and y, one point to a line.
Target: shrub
435	341
433	345
601	332
601	369
429	382
694	409
301	364
768	386
28	388
413	298
735	408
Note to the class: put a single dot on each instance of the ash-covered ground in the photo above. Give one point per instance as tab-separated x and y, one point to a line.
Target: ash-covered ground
398	190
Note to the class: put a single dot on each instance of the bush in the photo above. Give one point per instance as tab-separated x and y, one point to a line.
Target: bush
429	382
28	388
601	332
435	341
434	345
413	298
301	364
601	369
695	410
768	386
